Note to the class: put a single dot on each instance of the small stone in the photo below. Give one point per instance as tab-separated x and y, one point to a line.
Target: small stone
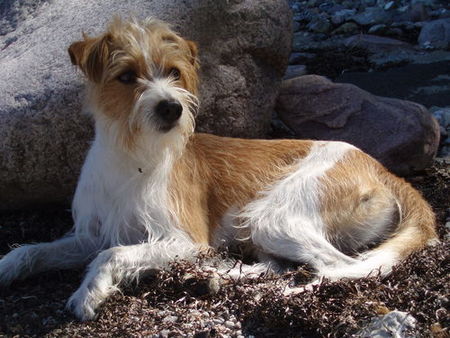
347	28
229	324
369	3
403	9
218	321
164	333
342	16
312	3
377	29
170	319
322	25
389	5
372	16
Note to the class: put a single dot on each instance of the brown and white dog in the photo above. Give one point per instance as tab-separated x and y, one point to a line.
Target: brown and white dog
151	190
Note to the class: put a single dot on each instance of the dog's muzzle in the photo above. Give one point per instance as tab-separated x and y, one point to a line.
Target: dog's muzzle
168	112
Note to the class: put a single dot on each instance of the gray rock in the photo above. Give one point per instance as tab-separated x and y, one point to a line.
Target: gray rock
389	5
347	28
244	48
377	29
321	25
376	44
402	135
307	41
442	115
170	319
342	16
435	34
394	324
372	16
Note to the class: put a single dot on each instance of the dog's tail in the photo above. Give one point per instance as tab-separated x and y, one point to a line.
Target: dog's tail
414	231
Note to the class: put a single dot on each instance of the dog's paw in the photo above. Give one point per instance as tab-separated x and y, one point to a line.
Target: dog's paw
10	267
83	304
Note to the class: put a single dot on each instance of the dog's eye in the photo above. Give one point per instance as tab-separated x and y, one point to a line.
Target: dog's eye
127	77
175	73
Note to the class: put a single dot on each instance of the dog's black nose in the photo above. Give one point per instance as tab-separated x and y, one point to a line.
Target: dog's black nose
169	111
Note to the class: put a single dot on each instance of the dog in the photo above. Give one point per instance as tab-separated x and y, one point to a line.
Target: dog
152	191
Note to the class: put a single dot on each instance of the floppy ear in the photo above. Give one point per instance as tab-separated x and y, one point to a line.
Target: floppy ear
91	55
194	52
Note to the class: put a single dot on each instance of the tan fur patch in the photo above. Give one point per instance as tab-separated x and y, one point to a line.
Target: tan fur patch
216	173
359	193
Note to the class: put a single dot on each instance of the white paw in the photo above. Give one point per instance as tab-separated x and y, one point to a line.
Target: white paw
11	266
83	304
5	269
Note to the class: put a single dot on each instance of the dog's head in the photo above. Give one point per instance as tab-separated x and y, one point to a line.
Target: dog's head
143	78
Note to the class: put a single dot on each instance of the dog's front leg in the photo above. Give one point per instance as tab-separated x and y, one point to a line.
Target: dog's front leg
117	264
65	253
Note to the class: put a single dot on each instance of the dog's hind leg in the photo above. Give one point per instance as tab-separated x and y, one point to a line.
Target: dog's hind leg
124	263
65	253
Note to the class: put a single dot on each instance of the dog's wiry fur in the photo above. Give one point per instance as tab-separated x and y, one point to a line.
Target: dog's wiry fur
151	190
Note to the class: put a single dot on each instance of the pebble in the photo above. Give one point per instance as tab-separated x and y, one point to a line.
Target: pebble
377	29
218	320
389	5
170	319
321	25
347	28
229	324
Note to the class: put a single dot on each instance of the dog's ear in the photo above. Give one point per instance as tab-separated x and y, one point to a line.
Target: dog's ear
91	55
194	52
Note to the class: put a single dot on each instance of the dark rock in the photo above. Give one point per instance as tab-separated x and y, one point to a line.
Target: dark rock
299	58
418	12
307	41
372	16
401	134
320	25
294	71
376	43
342	16
435	34
379	29
347	28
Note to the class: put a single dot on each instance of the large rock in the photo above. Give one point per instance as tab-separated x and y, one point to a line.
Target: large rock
244	48
402	135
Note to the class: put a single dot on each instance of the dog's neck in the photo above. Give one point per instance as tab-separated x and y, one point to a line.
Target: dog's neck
148	154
